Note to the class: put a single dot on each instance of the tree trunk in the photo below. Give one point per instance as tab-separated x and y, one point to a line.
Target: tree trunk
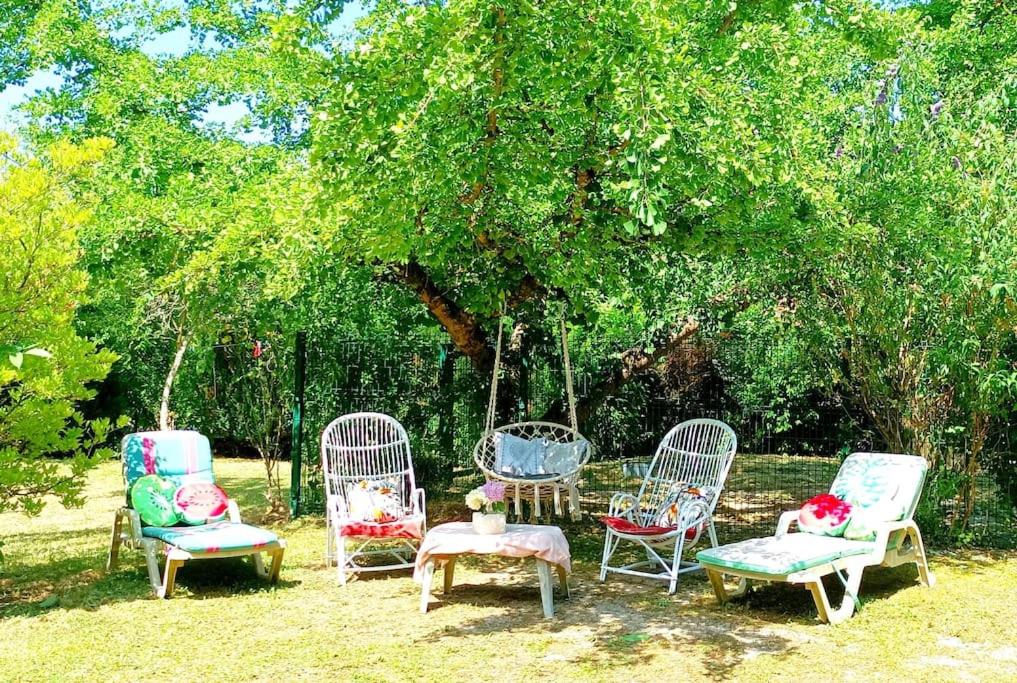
178	357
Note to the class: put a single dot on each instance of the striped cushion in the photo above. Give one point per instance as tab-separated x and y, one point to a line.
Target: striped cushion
182	457
211	538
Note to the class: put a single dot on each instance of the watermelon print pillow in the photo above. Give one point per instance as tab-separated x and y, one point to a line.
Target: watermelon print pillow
374	501
152	497
200	503
825	515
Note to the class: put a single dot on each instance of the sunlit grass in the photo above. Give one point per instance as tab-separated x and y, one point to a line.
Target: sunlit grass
62	618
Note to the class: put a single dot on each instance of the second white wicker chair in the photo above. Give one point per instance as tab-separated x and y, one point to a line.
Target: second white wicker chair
365	449
675	502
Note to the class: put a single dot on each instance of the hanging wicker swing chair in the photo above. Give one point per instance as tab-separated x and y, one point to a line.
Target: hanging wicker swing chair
539	462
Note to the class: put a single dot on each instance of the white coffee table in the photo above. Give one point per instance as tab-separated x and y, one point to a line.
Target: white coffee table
444	543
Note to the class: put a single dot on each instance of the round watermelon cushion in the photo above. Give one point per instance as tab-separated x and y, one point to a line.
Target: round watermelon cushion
152	497
201	503
826	514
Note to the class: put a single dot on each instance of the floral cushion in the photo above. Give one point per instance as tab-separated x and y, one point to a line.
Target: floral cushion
683	508
212	538
374	501
781	555
409	527
630	528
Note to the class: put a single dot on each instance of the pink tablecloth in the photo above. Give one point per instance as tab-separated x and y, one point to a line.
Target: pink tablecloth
519	540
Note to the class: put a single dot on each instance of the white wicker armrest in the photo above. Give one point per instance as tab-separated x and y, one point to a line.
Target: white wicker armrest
615	508
785	521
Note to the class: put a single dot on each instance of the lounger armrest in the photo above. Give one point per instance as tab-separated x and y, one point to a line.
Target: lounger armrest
233	511
615	508
883	531
785	521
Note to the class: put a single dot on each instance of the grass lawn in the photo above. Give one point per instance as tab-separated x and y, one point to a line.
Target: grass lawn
62	618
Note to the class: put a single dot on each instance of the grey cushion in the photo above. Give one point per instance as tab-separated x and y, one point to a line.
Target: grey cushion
564	458
514	455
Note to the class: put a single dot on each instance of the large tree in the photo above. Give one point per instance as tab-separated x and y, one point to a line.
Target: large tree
507	153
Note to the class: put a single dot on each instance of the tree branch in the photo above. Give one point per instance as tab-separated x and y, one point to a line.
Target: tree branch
463	328
634	362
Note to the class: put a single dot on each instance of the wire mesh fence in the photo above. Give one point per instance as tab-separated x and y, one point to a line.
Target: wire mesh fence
441	400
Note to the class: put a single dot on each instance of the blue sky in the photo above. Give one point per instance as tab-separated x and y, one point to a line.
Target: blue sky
171	43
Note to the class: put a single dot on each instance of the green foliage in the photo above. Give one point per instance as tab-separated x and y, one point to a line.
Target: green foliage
582	147
46	369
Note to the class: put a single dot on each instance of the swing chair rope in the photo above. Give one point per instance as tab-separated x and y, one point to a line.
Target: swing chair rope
566	361
568	374
491	403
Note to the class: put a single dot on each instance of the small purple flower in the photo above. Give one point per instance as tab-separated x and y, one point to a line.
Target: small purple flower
935	108
494	491
838	153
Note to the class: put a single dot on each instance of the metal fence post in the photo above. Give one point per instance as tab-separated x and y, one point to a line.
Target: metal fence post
296	455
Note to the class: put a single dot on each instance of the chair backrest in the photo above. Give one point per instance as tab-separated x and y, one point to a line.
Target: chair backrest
366	447
184	457
905	472
485	452
694	454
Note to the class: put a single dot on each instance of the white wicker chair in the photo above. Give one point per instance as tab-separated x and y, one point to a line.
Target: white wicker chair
371	447
535	488
695	454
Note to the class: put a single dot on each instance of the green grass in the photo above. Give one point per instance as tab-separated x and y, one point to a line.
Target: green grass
62	618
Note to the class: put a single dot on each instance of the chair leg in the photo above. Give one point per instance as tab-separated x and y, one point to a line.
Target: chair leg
425	585
717	581
259	565
921	559
819	597
712	530
115	541
170	579
676	564
450	570
152	562
277	558
329	541
608	551
576	513
340	559
835	616
563	581
546	588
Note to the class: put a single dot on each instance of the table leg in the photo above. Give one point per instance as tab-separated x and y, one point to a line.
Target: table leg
546	588
425	585
450	569
563	581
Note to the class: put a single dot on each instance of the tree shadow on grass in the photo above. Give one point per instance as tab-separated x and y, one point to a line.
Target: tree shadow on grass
73	576
612	625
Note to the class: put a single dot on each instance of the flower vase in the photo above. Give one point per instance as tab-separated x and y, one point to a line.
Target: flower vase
489	522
